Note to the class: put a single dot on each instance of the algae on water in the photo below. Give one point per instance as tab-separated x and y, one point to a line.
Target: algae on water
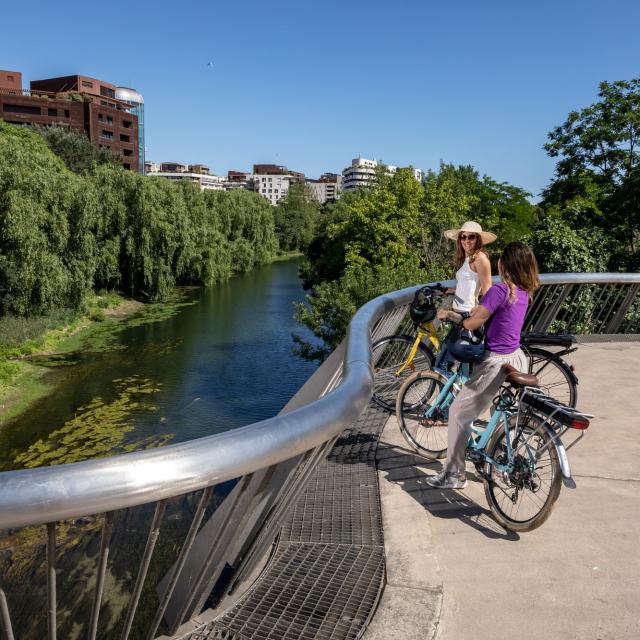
98	428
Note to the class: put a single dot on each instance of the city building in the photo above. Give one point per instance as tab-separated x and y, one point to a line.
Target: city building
326	188
11	82
275	170
273	181
362	173
239	180
197	173
136	102
79	102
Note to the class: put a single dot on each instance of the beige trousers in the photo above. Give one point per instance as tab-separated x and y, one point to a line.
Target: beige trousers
474	399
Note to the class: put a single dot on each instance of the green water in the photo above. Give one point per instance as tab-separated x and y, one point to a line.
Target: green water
222	361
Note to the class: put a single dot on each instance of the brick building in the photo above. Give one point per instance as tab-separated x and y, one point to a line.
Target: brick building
79	102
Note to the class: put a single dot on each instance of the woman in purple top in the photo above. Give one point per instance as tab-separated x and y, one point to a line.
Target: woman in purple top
502	311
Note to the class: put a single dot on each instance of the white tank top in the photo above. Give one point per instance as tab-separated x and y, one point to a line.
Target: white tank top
467	286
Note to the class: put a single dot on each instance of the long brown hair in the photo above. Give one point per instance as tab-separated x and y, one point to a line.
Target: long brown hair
519	268
461	255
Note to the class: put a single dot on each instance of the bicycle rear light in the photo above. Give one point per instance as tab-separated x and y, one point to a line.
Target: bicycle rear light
579	423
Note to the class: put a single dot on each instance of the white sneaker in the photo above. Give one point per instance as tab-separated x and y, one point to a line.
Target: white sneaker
448	480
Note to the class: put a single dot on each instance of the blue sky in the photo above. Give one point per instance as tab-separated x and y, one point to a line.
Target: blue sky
311	85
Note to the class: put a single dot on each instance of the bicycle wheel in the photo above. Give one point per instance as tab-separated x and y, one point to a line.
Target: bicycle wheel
388	355
554	375
428	436
523	499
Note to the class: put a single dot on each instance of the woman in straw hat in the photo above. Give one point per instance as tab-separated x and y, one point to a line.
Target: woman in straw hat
473	276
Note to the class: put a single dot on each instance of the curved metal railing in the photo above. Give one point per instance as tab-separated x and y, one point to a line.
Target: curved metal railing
270	460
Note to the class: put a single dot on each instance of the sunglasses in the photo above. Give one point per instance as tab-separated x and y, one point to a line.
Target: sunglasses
467	236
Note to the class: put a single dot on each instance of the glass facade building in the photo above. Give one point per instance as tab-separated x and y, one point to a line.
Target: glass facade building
132	97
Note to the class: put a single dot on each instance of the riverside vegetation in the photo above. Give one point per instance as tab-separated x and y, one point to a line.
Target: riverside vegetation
390	236
78	233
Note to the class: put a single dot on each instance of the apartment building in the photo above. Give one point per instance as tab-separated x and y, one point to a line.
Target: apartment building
197	173
362	173
79	102
239	180
273	181
326	188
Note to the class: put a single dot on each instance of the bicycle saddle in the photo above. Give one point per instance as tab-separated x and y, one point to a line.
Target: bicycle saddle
517	378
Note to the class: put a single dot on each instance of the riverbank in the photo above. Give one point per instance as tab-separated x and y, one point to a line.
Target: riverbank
30	348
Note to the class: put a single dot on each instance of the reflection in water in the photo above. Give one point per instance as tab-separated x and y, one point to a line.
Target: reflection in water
204	368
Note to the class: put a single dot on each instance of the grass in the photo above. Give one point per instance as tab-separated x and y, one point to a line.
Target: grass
29	347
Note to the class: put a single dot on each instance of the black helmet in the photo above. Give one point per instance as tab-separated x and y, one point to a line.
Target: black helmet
469	347
423	308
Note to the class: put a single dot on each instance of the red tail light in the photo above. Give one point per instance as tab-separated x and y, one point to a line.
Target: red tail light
579	423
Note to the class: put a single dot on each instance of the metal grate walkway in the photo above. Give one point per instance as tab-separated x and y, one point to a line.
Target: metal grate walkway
327	574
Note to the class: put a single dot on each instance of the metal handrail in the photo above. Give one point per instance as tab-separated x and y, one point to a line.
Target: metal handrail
48	494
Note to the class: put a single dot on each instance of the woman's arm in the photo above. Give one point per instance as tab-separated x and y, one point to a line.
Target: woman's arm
479	315
483	269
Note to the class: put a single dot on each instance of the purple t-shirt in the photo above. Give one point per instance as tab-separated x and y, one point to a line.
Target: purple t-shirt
502	329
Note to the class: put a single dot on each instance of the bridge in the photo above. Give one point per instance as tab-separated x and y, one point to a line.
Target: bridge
317	523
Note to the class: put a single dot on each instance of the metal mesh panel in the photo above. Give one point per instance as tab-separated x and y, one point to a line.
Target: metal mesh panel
328	571
311	591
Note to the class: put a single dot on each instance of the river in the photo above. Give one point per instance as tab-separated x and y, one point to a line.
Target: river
222	361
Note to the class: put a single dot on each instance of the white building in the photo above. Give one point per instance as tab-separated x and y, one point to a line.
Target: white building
362	173
273	187
197	173
326	188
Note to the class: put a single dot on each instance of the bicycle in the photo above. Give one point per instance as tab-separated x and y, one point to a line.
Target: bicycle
397	357
518	454
555	376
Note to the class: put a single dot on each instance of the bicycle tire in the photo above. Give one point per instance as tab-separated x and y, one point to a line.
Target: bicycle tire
428	438
388	355
499	489
554	375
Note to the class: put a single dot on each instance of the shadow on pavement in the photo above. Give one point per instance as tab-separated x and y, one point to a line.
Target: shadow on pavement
405	468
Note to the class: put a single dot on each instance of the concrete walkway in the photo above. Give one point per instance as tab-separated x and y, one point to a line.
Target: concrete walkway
454	574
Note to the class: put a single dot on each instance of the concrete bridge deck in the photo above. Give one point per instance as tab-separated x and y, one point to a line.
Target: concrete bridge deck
453	573
446	569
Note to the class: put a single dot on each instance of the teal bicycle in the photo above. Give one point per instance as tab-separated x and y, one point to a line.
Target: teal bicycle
518	454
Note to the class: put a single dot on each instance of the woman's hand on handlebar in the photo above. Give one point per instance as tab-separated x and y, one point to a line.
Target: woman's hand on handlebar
450	316
442	290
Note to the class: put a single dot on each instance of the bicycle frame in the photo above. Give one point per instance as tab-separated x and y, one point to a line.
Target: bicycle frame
458	378
423	330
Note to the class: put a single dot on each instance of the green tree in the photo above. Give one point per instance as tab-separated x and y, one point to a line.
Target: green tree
598	168
603	137
296	218
391	236
74	148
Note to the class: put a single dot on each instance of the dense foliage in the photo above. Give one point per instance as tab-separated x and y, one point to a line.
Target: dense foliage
596	187
297	217
63	234
390	236
75	149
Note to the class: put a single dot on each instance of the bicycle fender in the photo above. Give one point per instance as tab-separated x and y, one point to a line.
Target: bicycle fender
563	459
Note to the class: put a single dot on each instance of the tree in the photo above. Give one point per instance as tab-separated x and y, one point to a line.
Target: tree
74	148
296	218
603	137
597	175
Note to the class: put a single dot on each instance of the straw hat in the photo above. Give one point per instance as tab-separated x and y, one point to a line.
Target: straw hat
471	227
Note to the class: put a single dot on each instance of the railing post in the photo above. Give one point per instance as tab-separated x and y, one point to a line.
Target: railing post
616	321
